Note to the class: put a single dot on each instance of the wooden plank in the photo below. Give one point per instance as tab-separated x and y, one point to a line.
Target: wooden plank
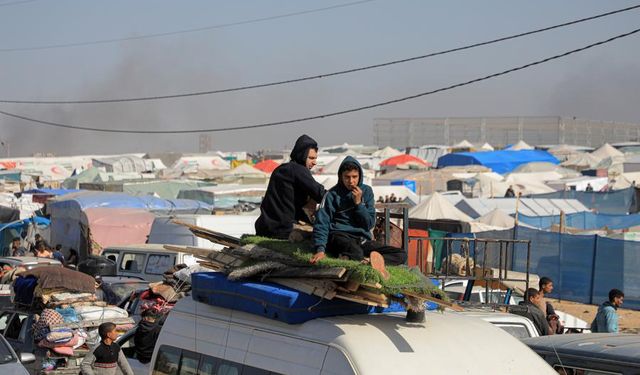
352	298
310	272
305	286
211	235
372	286
92	323
378	297
351	285
440	302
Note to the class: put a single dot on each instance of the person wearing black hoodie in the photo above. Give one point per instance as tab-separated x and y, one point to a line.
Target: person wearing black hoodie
291	186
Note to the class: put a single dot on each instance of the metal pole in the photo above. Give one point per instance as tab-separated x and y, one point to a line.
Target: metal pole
405	229
528	261
387	226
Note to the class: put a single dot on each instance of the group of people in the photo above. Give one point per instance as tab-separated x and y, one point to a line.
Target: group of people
343	222
544	317
41	249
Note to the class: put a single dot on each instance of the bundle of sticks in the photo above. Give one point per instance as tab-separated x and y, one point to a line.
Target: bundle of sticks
251	261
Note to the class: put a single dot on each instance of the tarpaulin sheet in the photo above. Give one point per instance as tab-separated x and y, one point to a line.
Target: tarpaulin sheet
612	202
583	268
583	220
499	161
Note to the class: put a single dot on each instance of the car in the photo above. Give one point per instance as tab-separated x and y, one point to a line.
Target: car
479	295
201	338
589	353
28	262
15	326
10	362
116	290
148	261
128	348
516	325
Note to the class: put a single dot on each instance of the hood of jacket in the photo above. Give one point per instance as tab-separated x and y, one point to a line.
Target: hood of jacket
350	159
607	304
301	149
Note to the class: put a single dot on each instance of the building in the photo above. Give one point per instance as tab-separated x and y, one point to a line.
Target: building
500	131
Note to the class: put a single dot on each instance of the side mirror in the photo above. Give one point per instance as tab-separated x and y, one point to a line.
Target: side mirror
27	358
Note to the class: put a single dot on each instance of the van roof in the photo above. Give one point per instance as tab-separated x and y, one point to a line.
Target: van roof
606	346
378	343
141	247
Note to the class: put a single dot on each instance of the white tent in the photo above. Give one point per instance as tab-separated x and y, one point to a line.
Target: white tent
246	170
521	145
496	219
581	161
436	207
486	147
463	144
386	153
607	151
201	162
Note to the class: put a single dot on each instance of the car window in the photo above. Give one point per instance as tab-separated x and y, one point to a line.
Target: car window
189	363
132	262
111	255
6	355
167	361
15	326
157	264
518	331
4	320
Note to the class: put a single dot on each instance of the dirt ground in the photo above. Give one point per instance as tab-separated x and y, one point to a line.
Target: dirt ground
629	320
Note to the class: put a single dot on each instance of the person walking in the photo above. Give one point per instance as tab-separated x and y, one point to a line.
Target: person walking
606	319
106	358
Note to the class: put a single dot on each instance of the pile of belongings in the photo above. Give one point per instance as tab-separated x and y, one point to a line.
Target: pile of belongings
68	314
287	264
163	295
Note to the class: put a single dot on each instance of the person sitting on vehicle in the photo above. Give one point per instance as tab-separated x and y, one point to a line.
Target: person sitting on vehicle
57	254
345	219
536	307
106	358
72	262
606	319
17	250
42	251
510	193
291	187
147	334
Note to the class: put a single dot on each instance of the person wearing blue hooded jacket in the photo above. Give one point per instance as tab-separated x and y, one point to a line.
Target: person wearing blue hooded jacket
345	219
606	319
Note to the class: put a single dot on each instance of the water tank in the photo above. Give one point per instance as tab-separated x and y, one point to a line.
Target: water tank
97	265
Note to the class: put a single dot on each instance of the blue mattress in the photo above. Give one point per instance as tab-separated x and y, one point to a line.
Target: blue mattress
267	299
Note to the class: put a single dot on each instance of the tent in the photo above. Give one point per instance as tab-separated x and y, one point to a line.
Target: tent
607	151
486	147
201	162
386	153
463	144
437	207
404	159
68	212
90	175
521	145
117	226
581	161
121	164
499	161
267	166
494	220
8	231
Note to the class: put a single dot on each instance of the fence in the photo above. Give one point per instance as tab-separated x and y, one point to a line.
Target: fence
583	220
583	268
613	202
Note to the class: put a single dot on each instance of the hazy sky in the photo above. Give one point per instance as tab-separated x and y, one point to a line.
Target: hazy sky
601	83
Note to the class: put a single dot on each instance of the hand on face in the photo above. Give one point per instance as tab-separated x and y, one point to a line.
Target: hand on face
357	194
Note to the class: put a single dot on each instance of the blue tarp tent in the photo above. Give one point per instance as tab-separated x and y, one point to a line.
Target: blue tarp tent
55	192
14	229
499	161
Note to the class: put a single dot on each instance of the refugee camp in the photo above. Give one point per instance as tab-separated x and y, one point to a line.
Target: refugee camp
364	187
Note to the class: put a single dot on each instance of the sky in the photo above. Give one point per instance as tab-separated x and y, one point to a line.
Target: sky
601	83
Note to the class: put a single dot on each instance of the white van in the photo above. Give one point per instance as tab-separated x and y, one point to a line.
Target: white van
148	261
203	339
165	231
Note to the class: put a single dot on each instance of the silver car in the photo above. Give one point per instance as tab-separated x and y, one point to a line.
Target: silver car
10	363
